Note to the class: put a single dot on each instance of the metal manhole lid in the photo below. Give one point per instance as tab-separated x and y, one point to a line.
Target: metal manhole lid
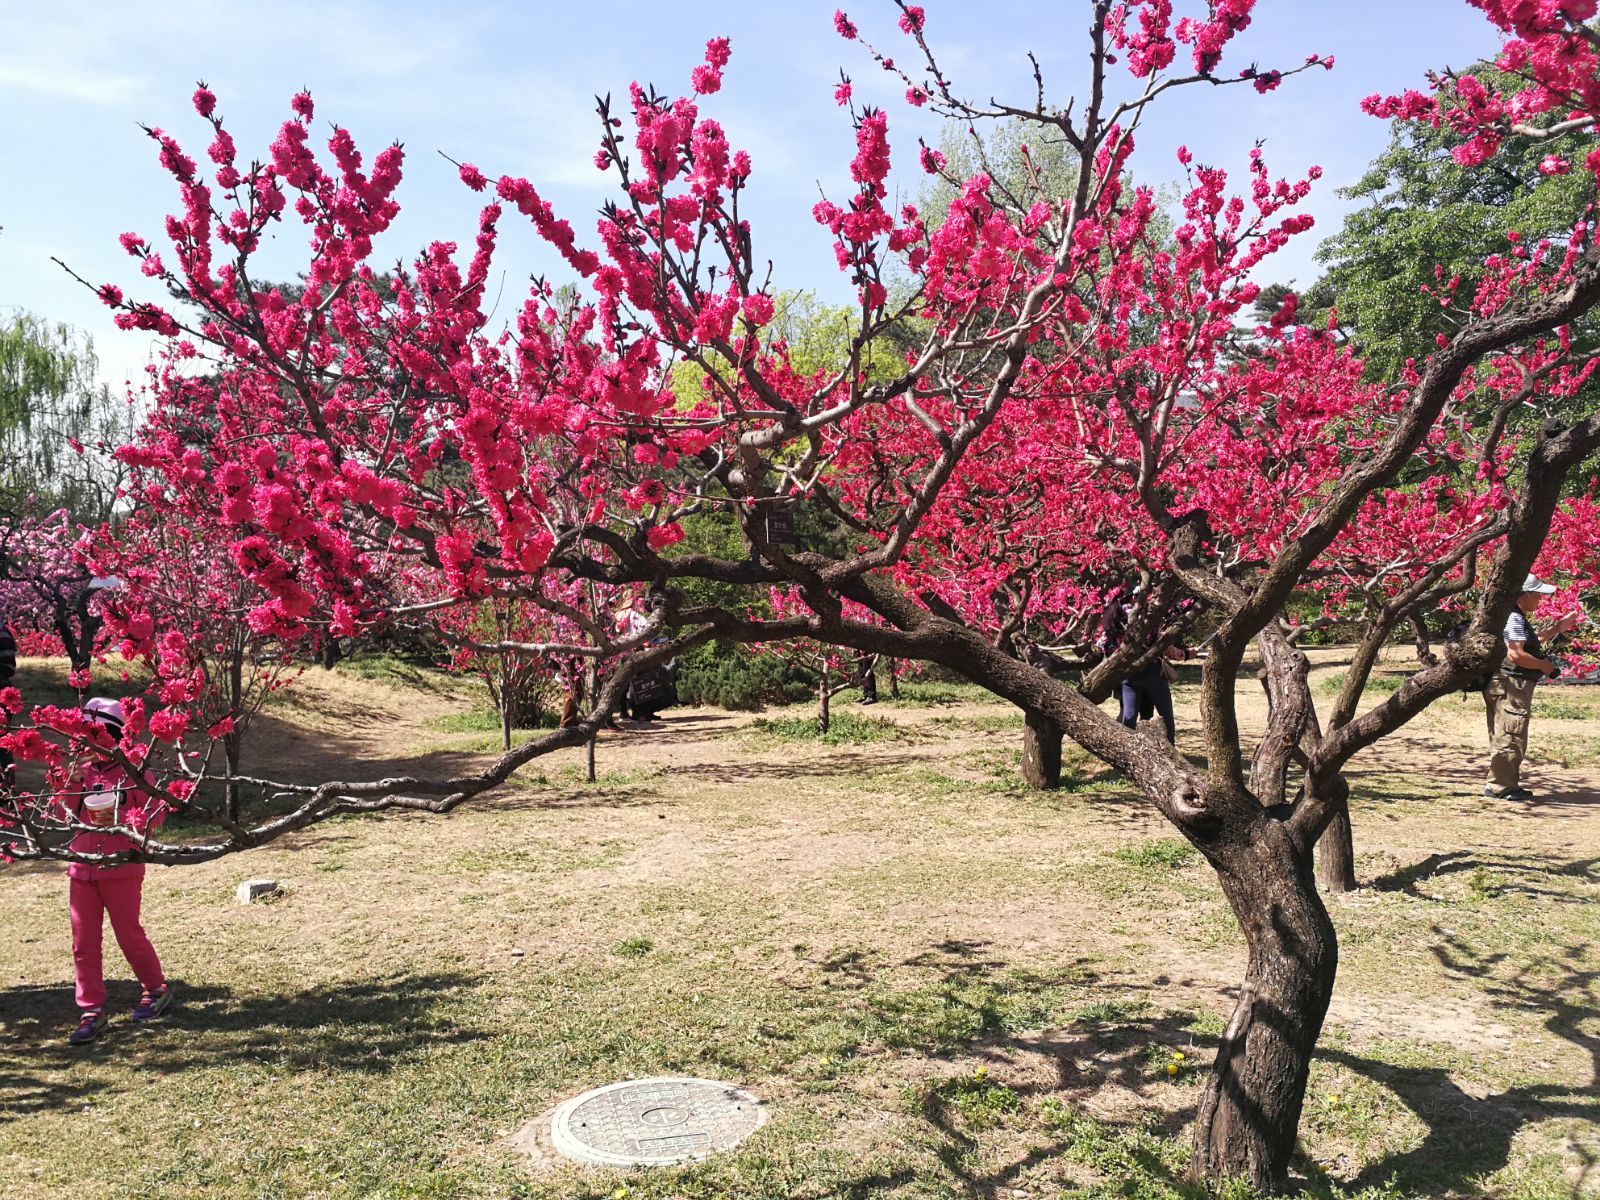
654	1122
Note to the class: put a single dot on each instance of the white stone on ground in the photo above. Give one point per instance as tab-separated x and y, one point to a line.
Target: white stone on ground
252	890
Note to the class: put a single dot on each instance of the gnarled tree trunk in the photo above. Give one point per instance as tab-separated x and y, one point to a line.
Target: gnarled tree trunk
1250	1112
1041	752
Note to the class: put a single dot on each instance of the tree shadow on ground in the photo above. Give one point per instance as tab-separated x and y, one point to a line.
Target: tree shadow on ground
681	727
360	1026
969	1004
1493	872
852	763
1104	1065
1471	1136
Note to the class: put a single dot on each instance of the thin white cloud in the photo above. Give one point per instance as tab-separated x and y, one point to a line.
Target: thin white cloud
74	83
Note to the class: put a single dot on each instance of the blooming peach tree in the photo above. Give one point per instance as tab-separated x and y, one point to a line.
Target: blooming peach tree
1077	403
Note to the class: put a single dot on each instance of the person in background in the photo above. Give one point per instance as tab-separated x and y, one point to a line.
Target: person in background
629	622
1147	692
1508	696
101	795
572	691
867	673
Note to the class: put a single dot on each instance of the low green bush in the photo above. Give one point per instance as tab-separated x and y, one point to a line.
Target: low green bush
729	676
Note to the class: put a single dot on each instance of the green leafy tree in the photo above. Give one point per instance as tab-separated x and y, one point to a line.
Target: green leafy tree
1423	218
57	422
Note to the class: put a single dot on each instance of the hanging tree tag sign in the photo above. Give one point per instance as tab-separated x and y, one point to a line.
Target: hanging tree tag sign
780	525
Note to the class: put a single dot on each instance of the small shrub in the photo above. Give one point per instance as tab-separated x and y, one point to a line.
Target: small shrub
729	676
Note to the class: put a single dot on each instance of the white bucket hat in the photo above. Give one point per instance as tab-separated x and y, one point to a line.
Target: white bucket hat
105	710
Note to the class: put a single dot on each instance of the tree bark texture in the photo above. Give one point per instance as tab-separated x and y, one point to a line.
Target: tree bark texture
1041	752
1248	1117
1336	850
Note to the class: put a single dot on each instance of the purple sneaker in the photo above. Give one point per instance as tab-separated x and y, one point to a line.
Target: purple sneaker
152	1004
89	1028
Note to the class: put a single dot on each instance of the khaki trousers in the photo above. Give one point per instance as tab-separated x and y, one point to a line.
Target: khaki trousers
1508	702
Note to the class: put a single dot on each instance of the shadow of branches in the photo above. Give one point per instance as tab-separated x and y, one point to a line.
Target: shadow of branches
1471	1136
369	1026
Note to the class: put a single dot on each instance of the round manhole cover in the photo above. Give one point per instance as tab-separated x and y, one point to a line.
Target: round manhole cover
652	1122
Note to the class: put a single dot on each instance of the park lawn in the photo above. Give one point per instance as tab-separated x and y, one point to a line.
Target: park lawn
943	985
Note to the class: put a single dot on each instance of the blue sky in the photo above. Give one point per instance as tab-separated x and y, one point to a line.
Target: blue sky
511	86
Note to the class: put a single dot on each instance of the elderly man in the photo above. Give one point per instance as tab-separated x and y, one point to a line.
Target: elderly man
1509	695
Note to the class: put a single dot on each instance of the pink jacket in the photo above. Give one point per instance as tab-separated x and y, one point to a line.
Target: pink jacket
136	809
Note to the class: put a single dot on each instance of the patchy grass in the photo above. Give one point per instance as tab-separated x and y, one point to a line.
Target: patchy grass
486	720
1004	722
404	671
943	984
1566	749
844	728
1378	683
974	1100
1566	704
1163	854
921	693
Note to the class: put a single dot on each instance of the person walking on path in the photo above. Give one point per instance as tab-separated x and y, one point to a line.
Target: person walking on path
101	795
1508	696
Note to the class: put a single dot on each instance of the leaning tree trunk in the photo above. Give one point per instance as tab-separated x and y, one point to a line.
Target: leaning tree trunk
1250	1112
1336	851
1041	752
824	694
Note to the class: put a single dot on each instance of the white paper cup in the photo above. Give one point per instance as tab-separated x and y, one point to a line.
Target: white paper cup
100	808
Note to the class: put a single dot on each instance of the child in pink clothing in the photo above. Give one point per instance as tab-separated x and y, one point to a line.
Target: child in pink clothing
99	890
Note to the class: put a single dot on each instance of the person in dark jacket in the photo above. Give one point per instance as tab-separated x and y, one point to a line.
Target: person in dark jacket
1147	692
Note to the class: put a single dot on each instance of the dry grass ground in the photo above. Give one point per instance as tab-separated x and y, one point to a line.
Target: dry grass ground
944	985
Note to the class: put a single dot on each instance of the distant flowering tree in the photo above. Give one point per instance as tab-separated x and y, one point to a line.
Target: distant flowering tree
46	588
489	641
180	593
1077	404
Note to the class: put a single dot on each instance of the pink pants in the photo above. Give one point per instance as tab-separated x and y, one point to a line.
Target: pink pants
118	898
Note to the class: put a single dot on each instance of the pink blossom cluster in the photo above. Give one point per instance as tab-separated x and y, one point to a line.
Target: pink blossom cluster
1555	68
